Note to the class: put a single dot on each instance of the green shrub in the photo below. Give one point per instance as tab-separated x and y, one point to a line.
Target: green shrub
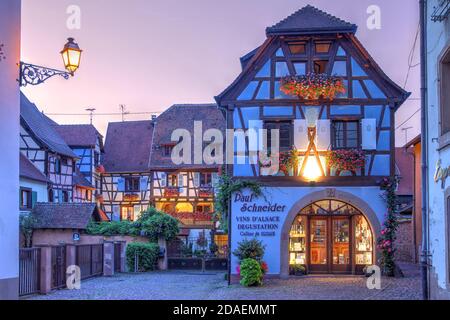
250	249
297	269
251	273
155	224
113	228
26	223
147	254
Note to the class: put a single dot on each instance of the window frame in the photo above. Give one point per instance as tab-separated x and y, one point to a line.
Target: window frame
133	188
333	134
128	207
207	176
444	98
29	192
278	123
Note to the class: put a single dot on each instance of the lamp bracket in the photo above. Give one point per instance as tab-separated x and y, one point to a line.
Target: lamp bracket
34	75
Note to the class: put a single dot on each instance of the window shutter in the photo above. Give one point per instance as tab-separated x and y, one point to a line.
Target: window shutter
180	182
143	183
369	134
121	184
196	179
255	135
163	179
323	135
214	178
60	196
301	134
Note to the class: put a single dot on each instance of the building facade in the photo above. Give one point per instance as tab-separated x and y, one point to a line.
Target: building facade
126	182
9	169
313	214
33	185
47	150
185	190
438	145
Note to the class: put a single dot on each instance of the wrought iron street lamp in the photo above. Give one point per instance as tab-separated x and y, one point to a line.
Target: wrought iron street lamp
34	75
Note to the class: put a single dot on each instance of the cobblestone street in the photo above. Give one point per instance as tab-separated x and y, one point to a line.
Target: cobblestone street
211	286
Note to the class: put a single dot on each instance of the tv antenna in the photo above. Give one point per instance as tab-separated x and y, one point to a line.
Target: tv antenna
123	111
91	113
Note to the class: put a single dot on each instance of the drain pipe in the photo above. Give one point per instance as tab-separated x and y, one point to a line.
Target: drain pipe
424	142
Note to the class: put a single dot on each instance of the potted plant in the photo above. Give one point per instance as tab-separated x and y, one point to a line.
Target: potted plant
297	270
313	86
100	169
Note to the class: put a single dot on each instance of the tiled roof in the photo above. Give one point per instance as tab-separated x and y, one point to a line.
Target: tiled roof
29	171
80	180
127	146
43	128
65	215
80	135
182	116
310	20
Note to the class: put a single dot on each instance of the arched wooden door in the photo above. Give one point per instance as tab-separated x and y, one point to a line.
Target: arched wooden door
331	236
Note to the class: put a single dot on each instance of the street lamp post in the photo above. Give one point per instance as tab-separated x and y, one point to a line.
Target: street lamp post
34	74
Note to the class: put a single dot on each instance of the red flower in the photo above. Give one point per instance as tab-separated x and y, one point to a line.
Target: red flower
264	267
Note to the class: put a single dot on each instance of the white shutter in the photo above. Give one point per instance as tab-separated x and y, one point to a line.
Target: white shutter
369	134
143	183
180	182
323	135
255	135
196	179
121	184
162	179
301	134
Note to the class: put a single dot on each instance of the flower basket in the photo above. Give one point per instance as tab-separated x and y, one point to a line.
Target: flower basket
171	192
289	161
346	159
131	197
313	86
205	192
100	169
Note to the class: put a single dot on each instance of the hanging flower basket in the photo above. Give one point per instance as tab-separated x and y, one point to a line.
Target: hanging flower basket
313	86
100	169
346	159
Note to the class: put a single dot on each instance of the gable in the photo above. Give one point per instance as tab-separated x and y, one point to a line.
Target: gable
341	56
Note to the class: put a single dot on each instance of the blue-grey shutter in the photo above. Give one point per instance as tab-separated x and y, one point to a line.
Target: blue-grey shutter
369	134
163	179
143	183
121	184
196	179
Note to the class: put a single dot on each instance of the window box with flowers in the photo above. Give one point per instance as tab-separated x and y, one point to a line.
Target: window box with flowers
205	191
171	192
346	160
313	86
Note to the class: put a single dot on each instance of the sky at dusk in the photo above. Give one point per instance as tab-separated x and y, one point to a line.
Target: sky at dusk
150	54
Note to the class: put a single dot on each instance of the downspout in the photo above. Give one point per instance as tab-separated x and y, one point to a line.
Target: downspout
424	137
414	216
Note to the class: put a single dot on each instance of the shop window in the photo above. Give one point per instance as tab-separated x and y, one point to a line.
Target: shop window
131	184
445	93
25	198
297	47
322	47
320	66
345	134
363	241
297	242
284	128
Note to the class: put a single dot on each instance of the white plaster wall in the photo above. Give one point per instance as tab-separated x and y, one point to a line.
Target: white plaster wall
288	196
438	34
9	138
39	187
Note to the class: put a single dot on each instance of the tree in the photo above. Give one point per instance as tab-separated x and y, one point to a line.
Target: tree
27	222
156	224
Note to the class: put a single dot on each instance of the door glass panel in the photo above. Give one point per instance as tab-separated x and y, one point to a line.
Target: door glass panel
363	241
318	241
341	241
297	243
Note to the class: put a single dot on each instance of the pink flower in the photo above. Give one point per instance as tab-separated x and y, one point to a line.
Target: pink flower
238	270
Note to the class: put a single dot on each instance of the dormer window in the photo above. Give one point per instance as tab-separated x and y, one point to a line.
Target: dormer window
297	47
322	47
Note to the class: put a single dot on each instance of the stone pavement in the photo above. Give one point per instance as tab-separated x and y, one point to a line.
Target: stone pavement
197	286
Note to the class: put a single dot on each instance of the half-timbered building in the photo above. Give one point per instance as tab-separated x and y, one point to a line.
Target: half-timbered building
32	184
186	190
313	214
87	143
126	181
47	150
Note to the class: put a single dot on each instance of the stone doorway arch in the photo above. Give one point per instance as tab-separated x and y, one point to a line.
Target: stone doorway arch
326	194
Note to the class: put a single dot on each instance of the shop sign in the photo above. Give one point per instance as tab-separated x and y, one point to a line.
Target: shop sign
441	174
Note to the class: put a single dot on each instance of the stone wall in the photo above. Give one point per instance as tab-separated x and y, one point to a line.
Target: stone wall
405	242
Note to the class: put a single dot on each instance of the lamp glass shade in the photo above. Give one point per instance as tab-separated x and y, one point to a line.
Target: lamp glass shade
71	55
312	115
